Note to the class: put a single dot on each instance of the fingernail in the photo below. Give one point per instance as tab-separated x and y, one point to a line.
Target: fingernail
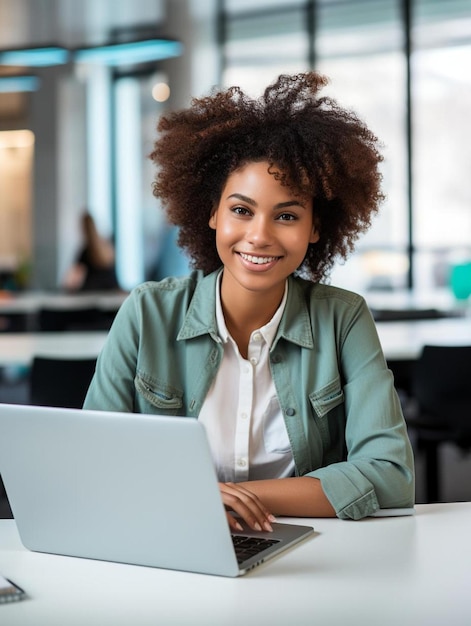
267	526
257	526
271	518
238	526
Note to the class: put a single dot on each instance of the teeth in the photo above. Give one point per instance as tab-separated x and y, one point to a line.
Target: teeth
260	260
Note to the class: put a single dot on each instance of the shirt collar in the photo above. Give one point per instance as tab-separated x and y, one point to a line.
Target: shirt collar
268	331
295	325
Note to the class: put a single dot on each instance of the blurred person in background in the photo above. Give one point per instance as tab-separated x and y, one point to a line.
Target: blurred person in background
94	269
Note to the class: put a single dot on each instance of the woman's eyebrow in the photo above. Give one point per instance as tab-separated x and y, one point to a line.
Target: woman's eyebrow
289	203
280	205
240	196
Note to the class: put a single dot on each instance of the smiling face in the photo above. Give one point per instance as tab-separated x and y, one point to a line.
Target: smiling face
262	231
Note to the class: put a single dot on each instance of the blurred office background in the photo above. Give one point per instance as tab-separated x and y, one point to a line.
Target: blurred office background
79	133
81	137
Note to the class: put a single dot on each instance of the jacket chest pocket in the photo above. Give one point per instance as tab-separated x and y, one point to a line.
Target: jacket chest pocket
167	400
329	412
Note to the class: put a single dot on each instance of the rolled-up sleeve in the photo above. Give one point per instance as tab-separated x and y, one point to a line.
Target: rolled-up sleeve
379	469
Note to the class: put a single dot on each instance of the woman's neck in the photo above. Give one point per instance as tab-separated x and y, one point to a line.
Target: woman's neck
246	311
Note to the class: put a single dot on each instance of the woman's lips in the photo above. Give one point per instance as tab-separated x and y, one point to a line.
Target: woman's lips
258	262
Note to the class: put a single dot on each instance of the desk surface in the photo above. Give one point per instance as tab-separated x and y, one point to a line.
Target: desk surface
400	340
408	571
33	301
20	348
441	299
404	340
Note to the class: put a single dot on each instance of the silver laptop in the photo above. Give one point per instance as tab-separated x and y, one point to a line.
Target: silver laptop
123	487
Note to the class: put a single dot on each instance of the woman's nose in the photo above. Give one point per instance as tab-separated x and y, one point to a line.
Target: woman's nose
259	232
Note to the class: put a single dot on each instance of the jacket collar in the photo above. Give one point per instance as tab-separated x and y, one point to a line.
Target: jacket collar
295	325
201	315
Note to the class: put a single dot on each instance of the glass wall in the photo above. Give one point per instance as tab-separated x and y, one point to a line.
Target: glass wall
261	44
145	243
402	67
441	63
359	46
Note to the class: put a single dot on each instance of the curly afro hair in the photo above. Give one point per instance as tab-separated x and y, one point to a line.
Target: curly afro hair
321	150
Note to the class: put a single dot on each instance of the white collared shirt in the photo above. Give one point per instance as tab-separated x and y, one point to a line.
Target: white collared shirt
241	412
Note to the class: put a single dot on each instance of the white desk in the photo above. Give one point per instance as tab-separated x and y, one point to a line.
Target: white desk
409	571
33	301
23	310
20	348
404	340
441	299
400	340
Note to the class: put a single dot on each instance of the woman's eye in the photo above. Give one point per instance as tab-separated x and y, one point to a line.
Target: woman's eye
240	210
287	217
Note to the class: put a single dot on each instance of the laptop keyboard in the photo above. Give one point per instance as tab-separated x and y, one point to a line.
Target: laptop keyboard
246	547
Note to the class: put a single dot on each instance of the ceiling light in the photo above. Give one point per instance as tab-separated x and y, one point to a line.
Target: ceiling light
35	57
161	92
16	138
130	53
15	84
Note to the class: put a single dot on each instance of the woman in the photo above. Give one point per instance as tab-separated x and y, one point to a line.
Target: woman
286	373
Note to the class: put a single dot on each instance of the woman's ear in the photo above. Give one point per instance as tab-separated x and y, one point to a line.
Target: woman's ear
315	236
212	220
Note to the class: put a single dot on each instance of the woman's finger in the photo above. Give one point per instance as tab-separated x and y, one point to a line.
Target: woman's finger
247	505
233	523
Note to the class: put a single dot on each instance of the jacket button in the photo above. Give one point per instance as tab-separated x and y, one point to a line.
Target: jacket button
290	412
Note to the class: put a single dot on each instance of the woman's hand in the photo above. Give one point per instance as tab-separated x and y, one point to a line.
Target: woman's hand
246	504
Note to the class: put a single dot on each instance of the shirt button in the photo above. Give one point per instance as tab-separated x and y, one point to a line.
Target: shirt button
254	361
290	412
242	462
257	337
244	416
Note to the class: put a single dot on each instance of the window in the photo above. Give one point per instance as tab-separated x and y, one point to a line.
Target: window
145	243
359	47
441	138
372	54
262	44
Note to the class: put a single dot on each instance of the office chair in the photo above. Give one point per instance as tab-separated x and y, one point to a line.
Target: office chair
401	315
60	382
90	318
441	410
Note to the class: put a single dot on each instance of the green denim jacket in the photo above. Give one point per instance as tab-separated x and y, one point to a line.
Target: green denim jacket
342	413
